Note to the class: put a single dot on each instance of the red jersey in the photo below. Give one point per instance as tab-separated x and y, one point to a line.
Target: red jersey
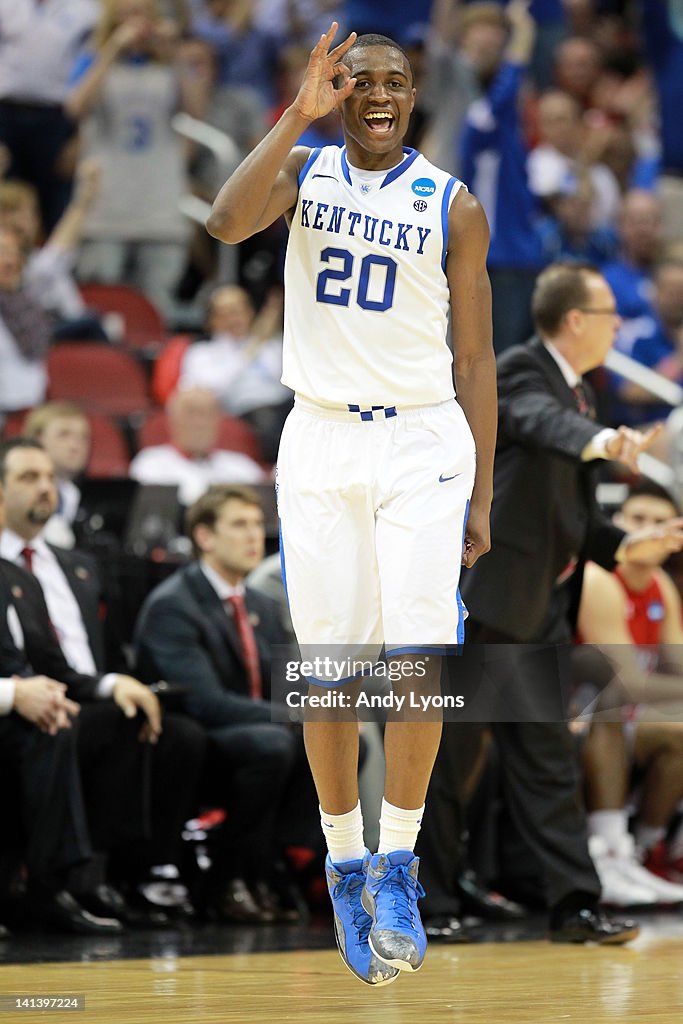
645	611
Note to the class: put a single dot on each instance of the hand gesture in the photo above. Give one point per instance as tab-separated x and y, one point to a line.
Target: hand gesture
654	543
317	95
133	696
627	444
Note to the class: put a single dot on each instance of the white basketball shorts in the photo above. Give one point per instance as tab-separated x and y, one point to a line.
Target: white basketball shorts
372	508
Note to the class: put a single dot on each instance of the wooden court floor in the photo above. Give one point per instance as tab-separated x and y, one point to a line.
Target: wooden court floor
511	983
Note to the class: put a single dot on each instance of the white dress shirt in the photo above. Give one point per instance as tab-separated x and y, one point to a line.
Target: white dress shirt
242	377
65	614
165	464
224	589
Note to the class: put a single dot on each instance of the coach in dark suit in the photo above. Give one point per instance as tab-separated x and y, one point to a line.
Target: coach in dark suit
545	523
204	629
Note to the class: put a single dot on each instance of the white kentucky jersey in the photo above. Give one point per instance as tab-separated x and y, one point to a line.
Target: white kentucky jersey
366	295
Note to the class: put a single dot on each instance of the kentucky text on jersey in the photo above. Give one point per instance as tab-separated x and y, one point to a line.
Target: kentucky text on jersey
338	220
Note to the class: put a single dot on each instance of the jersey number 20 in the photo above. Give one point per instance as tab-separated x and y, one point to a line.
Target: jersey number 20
325	289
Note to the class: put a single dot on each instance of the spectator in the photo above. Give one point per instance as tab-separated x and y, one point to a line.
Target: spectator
663	35
204	630
38	46
568	232
494	167
246	53
48	273
559	158
634	615
128	89
62	428
242	363
192	461
657	343
639	229
465	49
578	66
25	332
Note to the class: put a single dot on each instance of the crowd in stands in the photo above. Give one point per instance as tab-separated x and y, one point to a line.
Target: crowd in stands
133	355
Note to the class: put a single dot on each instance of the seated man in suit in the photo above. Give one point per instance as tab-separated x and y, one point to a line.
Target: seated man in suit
41	785
204	629
62	635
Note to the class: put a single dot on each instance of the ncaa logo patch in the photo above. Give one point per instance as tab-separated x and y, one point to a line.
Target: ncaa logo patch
420	205
424	187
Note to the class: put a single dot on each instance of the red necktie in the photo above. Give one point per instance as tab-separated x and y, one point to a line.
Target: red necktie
582	403
27	554
248	645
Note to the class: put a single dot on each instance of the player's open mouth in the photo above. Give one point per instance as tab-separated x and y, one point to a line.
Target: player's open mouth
380	122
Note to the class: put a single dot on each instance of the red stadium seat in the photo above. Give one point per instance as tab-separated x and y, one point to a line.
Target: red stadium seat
100	378
109	452
143	325
166	372
234	435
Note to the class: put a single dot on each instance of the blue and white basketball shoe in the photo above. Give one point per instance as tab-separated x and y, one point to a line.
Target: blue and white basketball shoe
352	923
390	897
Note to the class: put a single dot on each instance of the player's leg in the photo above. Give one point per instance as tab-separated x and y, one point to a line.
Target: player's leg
327	547
419	537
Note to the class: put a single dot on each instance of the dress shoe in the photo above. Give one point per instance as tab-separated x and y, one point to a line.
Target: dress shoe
445	928
476	899
106	901
281	910
61	912
590	925
236	905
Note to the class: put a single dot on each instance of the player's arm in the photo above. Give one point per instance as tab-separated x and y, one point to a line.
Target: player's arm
475	364
265	185
602	622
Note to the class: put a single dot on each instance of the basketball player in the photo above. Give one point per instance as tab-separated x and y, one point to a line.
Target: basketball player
376	470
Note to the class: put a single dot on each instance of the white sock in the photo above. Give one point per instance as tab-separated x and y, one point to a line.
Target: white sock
647	837
344	835
611	825
398	827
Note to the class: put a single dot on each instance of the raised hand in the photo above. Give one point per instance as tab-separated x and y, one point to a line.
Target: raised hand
627	444
317	95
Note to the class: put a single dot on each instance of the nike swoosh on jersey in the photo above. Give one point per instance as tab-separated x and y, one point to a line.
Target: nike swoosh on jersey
443	479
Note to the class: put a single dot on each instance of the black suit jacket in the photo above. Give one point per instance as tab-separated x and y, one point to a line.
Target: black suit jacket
544	507
42	654
184	635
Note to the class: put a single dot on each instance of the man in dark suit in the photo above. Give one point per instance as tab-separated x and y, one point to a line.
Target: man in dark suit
204	629
41	785
545	522
137	794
